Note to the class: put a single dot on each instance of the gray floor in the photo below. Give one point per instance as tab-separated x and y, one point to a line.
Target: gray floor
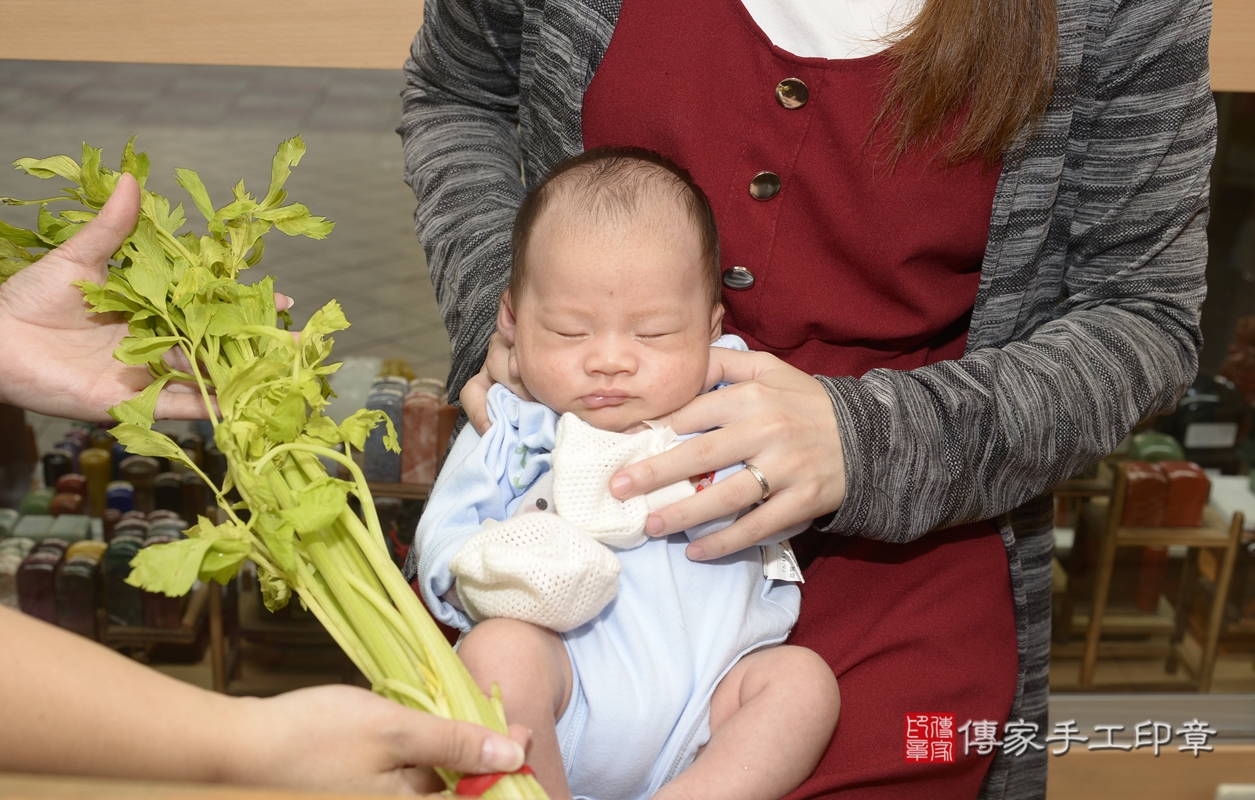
225	123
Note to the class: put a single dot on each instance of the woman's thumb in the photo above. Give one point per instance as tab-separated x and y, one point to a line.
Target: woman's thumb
463	747
96	241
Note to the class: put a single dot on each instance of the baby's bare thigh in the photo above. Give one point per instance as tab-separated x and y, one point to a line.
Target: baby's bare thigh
530	660
796	677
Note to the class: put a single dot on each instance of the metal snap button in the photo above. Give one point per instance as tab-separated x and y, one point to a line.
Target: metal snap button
764	185
738	278
792	93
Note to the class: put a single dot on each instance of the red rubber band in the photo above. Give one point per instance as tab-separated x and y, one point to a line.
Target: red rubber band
476	785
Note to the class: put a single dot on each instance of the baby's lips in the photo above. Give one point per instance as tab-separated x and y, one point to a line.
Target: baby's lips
603	400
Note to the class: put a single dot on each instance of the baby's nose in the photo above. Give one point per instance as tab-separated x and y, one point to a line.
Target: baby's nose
612	356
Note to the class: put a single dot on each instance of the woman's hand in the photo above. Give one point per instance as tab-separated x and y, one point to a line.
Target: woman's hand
499	367
341	738
58	356
148	726
775	417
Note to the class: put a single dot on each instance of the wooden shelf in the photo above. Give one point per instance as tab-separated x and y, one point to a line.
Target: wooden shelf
295	638
259	626
402	491
140	636
1129	621
1102	520
1084	487
1214	532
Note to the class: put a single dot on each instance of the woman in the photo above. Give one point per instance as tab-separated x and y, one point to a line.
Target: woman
73	707
988	241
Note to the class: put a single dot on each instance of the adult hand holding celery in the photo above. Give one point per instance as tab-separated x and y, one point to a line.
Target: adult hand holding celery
265	392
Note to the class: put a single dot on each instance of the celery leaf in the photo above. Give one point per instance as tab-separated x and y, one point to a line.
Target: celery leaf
278	535
140	408
50	167
170	569
133	351
275	591
288	156
143	442
318	505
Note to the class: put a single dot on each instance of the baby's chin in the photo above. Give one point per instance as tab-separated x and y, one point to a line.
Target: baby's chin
617	419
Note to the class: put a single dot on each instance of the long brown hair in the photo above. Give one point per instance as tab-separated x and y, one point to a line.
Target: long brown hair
982	67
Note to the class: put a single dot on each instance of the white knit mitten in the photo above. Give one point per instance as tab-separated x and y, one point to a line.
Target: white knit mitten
584	458
537	568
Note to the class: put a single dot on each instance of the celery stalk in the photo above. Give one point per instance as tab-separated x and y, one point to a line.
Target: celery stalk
181	290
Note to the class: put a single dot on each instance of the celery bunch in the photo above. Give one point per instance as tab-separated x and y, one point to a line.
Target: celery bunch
180	290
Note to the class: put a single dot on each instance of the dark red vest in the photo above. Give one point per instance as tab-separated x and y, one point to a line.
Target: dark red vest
855	265
852	266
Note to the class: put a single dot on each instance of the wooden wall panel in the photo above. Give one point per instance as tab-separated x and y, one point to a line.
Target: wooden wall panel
1082	774
1233	46
358	34
363	34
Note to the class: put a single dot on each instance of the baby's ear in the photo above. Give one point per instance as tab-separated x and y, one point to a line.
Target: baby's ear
716	322
505	317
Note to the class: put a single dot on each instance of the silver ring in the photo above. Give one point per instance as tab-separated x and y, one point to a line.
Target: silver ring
762	480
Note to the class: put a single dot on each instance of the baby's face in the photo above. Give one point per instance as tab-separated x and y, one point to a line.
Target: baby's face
614	324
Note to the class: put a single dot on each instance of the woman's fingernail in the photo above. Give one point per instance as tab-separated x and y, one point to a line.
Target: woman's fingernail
695	553
619	485
291	301
501	755
653	525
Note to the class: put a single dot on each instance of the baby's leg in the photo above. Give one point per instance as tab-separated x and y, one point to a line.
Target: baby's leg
531	666
771	718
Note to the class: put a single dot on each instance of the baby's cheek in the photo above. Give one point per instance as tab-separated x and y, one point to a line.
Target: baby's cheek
690	377
560	373
675	388
551	383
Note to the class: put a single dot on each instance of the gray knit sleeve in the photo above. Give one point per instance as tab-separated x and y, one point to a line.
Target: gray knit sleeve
1114	255
459	130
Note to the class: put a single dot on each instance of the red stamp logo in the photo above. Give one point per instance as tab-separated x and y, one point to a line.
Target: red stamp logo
929	738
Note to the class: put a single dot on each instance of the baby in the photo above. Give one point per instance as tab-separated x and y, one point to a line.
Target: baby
639	672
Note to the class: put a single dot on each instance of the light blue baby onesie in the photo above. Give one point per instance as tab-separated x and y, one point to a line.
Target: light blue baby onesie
646	666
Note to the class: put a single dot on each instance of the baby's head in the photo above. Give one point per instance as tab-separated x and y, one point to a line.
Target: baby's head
614	290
